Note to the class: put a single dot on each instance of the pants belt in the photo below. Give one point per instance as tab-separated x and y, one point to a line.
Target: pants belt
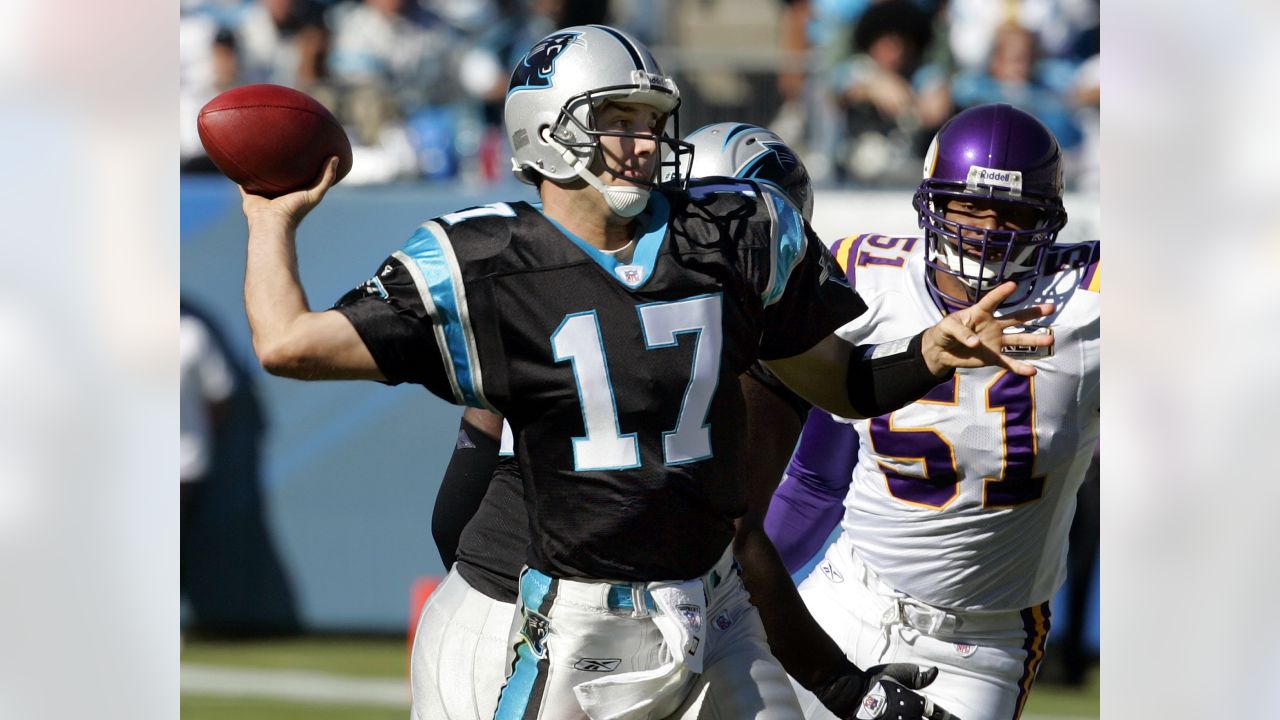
634	596
930	619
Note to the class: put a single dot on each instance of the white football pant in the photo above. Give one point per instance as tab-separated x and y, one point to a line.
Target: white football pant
460	652
603	644
986	661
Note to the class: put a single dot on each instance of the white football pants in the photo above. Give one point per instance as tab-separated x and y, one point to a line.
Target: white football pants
608	636
460	652
986	660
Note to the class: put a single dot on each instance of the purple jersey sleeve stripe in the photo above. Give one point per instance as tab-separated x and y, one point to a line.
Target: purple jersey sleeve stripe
1092	279
810	499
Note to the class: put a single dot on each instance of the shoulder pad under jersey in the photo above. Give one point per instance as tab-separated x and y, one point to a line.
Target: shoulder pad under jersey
858	253
1085	257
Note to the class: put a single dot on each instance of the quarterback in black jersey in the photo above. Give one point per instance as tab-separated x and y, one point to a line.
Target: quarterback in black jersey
609	325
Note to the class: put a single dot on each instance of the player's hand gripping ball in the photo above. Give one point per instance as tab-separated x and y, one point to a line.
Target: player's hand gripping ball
272	139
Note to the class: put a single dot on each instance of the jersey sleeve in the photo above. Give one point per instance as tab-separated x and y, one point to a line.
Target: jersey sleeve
418	311
807	295
388	314
810	499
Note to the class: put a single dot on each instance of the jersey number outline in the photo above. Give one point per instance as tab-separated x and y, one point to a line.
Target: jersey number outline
578	341
1009	394
866	258
497	209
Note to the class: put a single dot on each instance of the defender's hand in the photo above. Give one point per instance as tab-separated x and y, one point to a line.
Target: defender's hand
292	207
973	337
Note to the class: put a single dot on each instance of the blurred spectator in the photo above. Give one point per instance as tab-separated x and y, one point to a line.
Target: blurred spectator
210	66
226	13
205	387
1013	76
1056	25
1084	169
892	104
389	58
646	20
814	39
793	76
484	72
285	42
466	16
393	44
229	573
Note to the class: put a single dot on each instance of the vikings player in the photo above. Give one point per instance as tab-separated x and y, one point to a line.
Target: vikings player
609	324
955	509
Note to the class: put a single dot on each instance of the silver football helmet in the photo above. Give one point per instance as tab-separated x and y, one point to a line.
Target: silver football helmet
551	102
740	150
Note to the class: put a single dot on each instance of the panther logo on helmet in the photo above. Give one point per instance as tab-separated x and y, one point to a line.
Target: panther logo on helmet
749	151
553	130
537	66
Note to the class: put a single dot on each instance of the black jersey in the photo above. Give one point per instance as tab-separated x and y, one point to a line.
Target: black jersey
619	380
492	546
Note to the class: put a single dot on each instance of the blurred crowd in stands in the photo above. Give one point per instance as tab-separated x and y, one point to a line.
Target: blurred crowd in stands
857	86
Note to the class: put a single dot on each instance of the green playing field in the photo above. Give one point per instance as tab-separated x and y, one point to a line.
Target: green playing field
327	678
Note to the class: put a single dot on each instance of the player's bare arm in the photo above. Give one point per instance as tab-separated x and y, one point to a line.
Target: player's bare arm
487	421
882	378
796	640
288	338
805	650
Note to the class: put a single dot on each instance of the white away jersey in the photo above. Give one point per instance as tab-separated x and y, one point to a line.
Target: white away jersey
964	498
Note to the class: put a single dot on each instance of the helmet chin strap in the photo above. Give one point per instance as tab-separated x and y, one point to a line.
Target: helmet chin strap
625	201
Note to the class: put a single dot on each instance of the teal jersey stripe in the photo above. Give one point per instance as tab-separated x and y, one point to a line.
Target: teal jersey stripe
789	242
431	254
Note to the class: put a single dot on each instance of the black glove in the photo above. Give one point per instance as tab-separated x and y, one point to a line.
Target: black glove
882	692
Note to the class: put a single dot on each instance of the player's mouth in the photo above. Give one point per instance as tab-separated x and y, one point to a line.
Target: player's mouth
632	176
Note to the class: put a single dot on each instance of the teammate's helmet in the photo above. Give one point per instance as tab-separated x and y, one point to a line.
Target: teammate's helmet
1001	153
748	151
559	83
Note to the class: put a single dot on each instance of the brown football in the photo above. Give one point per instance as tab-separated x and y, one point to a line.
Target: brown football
272	139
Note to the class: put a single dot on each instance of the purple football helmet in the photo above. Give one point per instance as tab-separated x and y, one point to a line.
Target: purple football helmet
991	153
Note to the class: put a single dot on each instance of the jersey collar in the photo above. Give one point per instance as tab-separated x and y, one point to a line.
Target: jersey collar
652	227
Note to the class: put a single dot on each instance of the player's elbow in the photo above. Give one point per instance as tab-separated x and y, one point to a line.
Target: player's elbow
283	359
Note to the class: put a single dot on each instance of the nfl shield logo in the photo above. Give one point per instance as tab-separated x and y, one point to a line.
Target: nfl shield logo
873	705
691	616
630	274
